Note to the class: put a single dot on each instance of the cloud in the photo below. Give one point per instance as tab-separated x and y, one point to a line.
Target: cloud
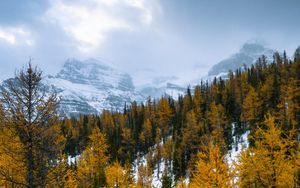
90	22
16	36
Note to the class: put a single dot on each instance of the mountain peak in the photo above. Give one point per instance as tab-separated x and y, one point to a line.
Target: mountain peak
88	65
253	47
91	85
247	55
93	72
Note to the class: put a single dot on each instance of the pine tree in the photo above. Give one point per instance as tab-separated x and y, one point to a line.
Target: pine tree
166	181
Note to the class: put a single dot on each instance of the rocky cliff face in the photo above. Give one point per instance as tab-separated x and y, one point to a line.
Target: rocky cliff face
90	86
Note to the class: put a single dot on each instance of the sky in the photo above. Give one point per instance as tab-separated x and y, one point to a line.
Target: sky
148	39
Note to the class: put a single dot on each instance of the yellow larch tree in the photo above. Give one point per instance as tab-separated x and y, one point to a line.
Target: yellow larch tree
251	106
93	161
61	174
12	166
29	112
217	120
117	176
181	183
212	169
273	161
164	114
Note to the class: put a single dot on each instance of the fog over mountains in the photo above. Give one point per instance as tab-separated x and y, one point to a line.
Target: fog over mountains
247	55
88	87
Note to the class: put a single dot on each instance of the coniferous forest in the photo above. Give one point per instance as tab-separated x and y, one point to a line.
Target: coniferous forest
188	138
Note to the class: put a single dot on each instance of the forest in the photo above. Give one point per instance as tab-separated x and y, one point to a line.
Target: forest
187	138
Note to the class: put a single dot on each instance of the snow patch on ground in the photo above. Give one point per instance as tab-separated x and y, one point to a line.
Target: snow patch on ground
73	160
239	144
159	168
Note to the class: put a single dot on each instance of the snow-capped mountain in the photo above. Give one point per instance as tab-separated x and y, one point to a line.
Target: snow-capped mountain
161	86
90	86
247	55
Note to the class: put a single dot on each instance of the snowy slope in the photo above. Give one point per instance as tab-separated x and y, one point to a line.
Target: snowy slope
90	86
168	89
158	171
161	86
239	143
247	55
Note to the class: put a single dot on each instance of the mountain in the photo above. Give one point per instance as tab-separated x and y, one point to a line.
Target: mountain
169	89
86	87
247	55
161	86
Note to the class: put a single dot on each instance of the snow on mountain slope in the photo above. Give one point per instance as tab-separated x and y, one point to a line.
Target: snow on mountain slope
247	55
161	86
90	86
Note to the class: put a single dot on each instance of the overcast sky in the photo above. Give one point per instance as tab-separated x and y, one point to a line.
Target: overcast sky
146	38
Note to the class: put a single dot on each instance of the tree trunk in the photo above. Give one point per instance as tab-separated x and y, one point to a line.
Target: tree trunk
30	166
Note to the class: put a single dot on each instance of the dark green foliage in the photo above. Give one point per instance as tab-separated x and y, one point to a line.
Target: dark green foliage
166	181
101	181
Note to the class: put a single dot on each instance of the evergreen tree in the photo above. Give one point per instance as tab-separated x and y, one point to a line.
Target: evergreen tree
166	181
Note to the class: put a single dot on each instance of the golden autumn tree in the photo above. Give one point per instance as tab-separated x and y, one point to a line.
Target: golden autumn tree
164	114
212	169
61	174
181	183
217	119
92	163
198	103
12	165
251	106
30	115
147	131
191	134
273	161
117	176
289	106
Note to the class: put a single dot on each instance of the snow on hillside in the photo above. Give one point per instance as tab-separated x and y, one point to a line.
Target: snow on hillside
168	89
163	85
159	169
239	143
